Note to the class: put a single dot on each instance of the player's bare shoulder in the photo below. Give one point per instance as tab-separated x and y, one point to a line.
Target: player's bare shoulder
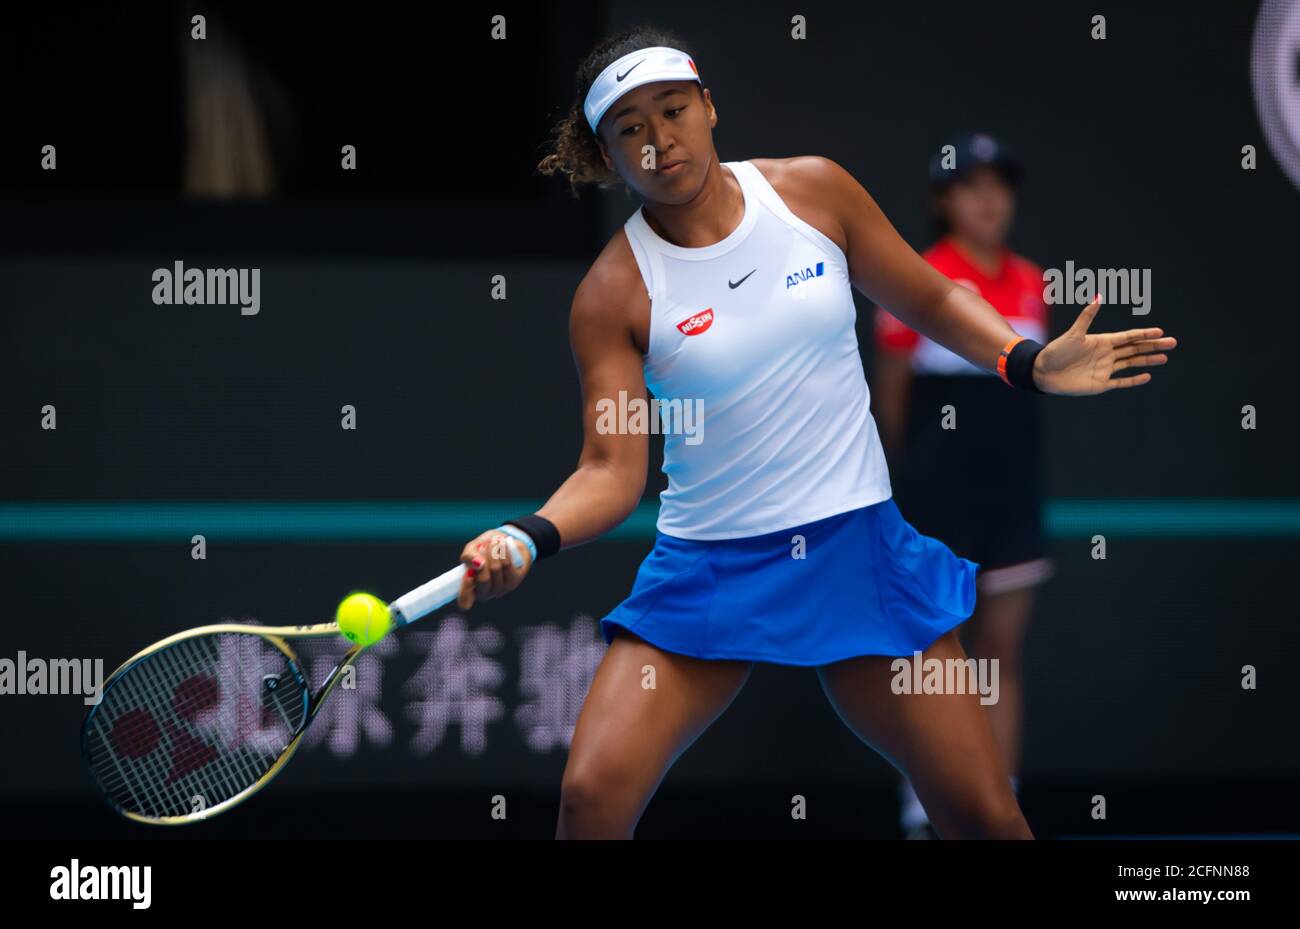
814	187
611	301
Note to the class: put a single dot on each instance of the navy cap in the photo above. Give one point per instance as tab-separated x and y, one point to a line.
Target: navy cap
973	150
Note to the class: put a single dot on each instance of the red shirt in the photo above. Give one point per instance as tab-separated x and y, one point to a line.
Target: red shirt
1016	292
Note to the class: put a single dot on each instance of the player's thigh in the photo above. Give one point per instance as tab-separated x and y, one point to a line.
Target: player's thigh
1000	623
944	742
644	708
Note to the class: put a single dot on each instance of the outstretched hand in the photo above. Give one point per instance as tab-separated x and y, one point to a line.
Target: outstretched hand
1079	364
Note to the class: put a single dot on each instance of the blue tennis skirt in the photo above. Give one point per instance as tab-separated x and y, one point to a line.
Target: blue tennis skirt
863	582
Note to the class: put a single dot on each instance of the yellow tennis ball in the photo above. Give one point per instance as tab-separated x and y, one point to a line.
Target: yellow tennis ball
364	619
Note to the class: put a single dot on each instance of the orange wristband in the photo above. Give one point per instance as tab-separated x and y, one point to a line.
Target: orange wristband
1002	359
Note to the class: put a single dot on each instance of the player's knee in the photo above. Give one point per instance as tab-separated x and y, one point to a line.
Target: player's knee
579	792
590	794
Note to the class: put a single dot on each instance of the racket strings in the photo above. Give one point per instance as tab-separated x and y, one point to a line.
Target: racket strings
195	724
206	769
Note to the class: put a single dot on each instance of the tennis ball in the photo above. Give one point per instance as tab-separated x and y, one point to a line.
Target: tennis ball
364	619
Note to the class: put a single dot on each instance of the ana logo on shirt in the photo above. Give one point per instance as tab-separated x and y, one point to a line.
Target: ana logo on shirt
804	274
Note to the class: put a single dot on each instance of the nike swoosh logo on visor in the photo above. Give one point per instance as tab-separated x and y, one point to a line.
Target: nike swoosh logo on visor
619	77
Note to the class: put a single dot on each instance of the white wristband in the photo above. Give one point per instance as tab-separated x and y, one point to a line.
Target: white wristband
516	533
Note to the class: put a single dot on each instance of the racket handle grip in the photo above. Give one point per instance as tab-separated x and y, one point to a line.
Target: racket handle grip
426	598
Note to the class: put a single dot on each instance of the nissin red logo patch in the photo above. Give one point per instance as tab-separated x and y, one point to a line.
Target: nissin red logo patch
696	324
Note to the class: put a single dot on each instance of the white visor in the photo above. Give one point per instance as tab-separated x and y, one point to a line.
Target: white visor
640	67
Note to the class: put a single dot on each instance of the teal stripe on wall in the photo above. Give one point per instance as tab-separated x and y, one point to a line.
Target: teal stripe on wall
1174	517
455	521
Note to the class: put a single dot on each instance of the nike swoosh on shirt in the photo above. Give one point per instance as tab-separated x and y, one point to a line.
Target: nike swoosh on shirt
741	281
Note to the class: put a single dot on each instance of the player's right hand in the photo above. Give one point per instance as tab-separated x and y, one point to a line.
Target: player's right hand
489	567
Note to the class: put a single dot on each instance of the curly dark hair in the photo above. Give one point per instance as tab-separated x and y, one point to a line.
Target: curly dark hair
573	150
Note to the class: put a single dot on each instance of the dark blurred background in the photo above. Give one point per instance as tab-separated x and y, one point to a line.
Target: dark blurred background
377	293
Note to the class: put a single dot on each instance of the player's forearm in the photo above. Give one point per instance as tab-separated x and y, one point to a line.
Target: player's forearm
967	325
596	498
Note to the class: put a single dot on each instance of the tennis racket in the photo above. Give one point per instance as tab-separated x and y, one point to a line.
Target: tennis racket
199	722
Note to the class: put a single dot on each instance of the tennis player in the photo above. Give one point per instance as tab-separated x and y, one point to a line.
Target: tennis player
936	411
778	539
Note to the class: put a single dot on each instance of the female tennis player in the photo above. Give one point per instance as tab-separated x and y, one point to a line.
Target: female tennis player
984	499
778	539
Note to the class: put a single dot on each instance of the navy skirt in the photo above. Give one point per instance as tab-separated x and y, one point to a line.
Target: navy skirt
863	582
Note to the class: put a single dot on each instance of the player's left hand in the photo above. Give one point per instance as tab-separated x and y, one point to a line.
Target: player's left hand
1078	364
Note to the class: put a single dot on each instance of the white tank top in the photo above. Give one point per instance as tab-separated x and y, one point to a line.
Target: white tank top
757	332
